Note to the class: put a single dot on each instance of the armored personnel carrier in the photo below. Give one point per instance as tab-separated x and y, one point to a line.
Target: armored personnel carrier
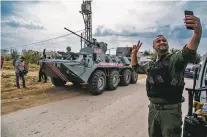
92	66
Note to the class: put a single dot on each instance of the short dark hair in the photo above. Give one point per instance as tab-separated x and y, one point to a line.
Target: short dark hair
159	35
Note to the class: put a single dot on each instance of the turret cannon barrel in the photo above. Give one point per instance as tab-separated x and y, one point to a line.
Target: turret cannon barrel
78	35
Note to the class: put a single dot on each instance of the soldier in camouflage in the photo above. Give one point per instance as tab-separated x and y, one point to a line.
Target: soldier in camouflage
165	82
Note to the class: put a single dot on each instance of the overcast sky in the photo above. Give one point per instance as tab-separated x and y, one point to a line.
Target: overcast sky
116	22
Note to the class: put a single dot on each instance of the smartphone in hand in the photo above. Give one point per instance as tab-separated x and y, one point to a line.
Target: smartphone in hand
188	12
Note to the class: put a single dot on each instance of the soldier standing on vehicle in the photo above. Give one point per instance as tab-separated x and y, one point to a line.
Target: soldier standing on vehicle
165	82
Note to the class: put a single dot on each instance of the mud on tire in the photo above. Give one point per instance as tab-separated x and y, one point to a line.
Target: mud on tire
58	82
113	80
134	77
125	77
97	82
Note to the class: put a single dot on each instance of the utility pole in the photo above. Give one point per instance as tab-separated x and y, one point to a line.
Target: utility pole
81	40
86	11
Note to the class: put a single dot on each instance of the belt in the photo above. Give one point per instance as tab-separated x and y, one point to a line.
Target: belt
165	106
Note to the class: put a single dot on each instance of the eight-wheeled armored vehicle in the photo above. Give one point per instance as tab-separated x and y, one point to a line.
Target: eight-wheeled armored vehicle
91	66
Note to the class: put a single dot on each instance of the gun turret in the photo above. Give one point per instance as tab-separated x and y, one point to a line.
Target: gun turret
92	44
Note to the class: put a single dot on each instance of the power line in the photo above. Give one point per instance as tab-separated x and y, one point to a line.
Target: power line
46	40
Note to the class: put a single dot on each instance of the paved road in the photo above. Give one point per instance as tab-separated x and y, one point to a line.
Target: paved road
120	113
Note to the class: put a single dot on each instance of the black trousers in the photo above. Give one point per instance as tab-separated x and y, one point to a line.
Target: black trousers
19	76
42	75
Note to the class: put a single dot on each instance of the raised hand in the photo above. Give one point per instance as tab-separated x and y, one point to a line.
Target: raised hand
136	48
194	22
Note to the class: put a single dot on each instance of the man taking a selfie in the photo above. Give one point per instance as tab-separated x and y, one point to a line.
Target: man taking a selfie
165	81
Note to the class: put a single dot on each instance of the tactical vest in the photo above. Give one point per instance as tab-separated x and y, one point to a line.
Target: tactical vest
160	84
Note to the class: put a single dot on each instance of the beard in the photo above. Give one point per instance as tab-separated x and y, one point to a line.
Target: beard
162	49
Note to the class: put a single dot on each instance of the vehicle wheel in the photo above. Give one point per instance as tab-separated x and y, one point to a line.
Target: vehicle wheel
134	77
113	80
97	83
125	77
58	82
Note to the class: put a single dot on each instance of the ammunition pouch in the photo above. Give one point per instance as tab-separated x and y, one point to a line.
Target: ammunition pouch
160	84
164	89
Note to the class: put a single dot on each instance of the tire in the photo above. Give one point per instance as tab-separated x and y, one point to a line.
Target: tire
113	80
98	77
134	77
58	82
125	77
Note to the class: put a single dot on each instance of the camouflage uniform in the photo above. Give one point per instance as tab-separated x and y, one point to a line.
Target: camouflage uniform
165	114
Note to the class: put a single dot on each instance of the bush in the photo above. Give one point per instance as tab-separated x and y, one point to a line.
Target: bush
7	58
31	56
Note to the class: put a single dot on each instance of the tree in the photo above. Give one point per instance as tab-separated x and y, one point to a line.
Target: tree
14	53
31	56
146	53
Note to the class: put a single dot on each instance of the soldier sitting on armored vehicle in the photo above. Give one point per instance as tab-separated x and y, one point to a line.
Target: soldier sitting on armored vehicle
68	55
84	61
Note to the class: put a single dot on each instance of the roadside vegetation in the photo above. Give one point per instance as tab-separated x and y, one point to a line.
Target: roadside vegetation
36	93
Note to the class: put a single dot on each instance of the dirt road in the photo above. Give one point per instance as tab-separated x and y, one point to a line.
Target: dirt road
120	113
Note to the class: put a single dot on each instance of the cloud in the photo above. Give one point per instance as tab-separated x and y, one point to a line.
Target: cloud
29	24
167	30
102	31
52	16
112	23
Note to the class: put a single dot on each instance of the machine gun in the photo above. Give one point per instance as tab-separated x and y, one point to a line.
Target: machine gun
91	44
